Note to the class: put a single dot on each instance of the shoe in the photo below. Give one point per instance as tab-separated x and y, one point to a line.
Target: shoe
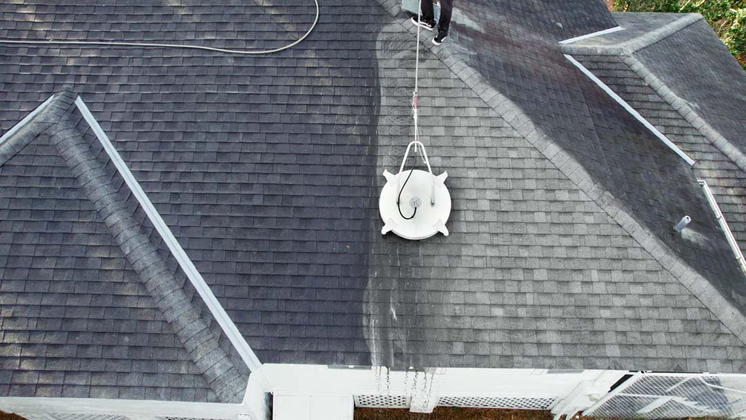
440	38
423	24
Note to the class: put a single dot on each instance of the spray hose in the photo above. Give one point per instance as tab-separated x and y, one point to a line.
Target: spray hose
158	45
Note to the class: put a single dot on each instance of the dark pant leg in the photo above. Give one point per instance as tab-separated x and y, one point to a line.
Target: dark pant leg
446	8
427	11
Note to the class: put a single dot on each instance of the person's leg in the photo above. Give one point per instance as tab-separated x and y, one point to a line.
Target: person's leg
427	11
444	23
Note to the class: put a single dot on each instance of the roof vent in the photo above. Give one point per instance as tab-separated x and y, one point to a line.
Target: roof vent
682	223
415	204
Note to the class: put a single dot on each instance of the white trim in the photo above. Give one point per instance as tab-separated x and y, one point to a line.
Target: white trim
434	383
592	35
723	225
225	322
631	110
586	394
25	121
102	406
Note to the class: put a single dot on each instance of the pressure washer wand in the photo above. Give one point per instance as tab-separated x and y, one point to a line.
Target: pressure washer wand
415	116
417	77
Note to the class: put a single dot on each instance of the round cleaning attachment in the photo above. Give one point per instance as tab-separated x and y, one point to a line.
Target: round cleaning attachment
415	204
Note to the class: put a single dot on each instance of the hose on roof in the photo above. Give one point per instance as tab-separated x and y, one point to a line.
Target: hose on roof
157	45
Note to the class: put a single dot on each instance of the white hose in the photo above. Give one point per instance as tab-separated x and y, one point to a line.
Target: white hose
184	46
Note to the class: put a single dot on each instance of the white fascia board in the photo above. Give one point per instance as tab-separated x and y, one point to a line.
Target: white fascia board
592	35
631	110
290	379
25	121
212	303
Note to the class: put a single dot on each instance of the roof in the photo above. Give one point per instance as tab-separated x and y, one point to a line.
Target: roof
706	76
663	88
601	158
90	308
267	170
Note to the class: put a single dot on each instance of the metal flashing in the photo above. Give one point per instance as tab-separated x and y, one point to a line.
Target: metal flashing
723	225
592	35
631	110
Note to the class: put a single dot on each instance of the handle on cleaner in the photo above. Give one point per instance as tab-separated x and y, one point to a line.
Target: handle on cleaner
423	154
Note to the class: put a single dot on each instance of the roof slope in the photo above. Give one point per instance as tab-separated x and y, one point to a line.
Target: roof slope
267	169
620	156
622	60
534	274
698	67
76	321
79	250
724	177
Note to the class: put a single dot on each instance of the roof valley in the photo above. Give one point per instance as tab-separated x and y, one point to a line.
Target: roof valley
730	316
174	304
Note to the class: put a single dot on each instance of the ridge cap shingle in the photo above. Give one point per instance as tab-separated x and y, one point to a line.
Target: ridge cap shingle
52	113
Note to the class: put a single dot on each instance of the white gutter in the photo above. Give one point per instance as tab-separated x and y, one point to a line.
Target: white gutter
25	121
85	407
592	35
631	110
225	322
723	225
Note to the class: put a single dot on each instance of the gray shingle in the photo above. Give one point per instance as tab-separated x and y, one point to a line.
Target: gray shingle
65	323
272	188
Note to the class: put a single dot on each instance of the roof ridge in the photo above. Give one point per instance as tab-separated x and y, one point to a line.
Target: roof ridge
686	111
696	284
47	114
626	51
641	42
662	33
174	304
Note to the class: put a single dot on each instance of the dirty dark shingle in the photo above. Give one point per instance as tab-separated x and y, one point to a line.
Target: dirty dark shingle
267	170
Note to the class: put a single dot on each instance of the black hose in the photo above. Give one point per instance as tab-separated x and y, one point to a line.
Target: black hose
398	199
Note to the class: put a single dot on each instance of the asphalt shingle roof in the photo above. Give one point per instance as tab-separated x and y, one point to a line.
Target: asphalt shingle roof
56	249
698	67
724	177
76	321
267	170
534	273
655	90
621	157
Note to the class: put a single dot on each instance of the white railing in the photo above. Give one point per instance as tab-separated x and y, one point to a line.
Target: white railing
674	395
